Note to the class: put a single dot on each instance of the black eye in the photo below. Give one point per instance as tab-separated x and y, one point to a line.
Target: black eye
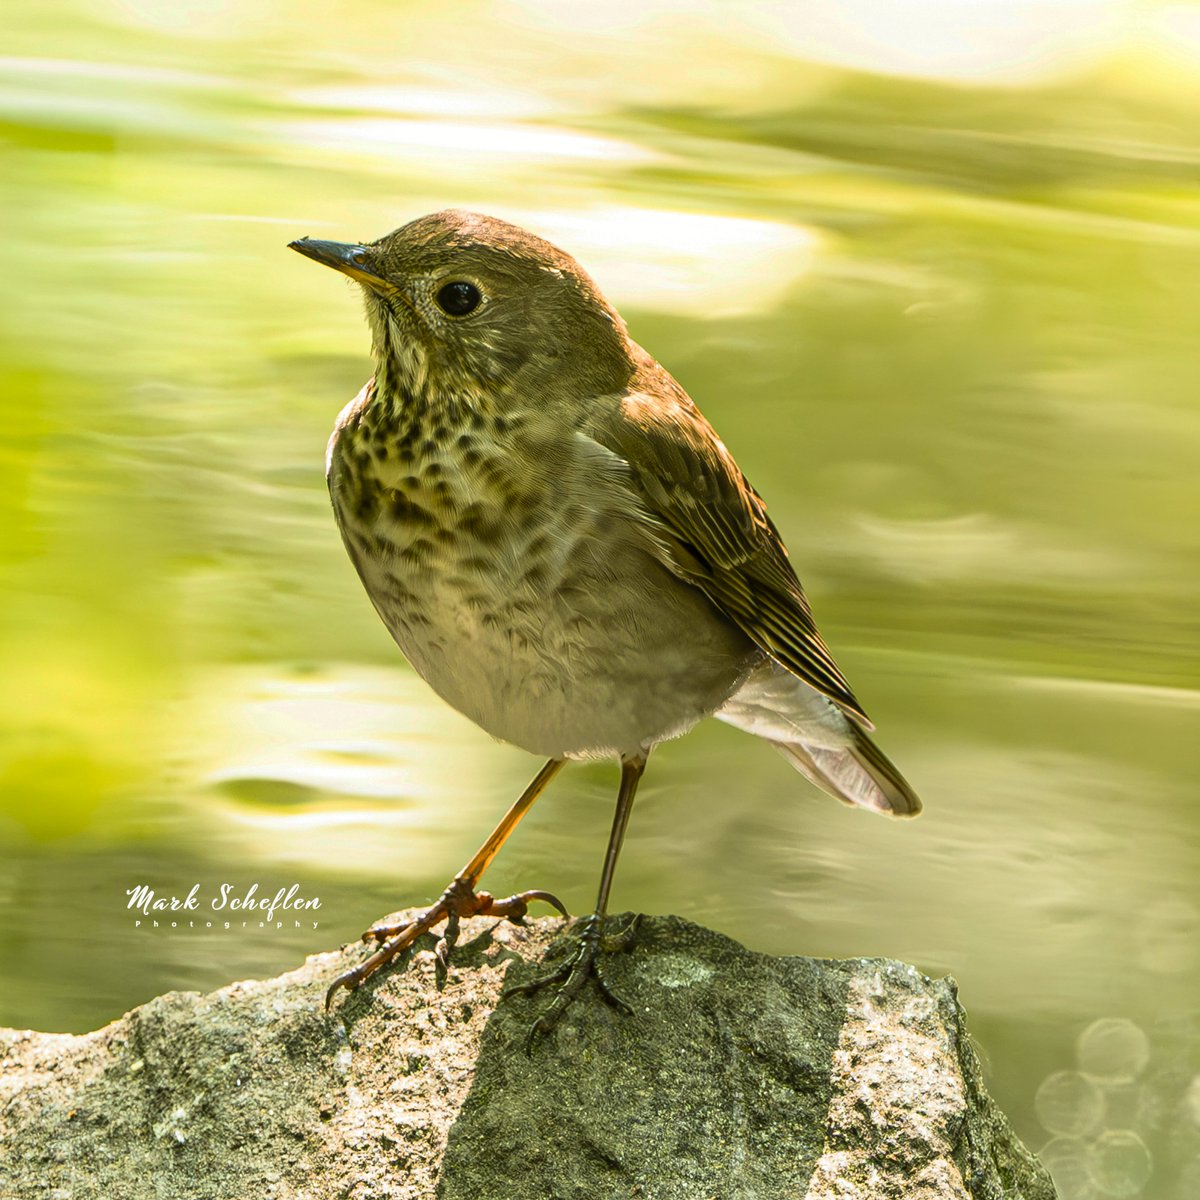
459	298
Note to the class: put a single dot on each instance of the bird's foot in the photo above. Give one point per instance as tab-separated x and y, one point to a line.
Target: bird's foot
458	900
583	963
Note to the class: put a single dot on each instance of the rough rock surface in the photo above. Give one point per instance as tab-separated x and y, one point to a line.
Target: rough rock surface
739	1077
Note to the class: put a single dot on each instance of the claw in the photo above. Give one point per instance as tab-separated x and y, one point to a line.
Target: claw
538	1026
457	901
623	939
514	907
347	979
547	897
609	995
535	985
447	942
583	964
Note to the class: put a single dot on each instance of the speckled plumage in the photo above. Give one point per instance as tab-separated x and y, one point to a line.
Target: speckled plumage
511	573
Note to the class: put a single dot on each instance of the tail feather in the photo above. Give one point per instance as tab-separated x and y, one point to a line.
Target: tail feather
819	740
859	774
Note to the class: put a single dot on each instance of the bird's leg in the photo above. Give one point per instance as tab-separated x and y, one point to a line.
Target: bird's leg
585	961
460	899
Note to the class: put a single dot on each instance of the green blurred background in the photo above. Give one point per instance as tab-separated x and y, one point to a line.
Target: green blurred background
932	268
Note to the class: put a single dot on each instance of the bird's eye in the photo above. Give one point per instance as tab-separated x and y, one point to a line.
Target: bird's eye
459	298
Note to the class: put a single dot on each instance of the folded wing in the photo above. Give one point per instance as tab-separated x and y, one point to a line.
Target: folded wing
711	528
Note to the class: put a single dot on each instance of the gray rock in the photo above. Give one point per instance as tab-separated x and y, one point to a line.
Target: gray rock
739	1077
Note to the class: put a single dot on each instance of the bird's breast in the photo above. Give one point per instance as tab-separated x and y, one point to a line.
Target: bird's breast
505	562
470	537
452	507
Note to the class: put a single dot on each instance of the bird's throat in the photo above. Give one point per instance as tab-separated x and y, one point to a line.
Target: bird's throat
401	358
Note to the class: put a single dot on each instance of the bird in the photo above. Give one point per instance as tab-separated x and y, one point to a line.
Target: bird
565	550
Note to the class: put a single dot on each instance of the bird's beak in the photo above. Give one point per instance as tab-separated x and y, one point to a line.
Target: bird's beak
355	261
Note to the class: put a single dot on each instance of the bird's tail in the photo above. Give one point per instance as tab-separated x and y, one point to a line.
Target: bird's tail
818	739
859	773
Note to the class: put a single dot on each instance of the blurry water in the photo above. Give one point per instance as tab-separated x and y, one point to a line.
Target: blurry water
948	328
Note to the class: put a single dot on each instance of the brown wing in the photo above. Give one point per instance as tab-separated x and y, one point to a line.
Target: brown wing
712	529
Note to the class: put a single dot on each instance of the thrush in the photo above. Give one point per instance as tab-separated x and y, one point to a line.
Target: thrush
564	549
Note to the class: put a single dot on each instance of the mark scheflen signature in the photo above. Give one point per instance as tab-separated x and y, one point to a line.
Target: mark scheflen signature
229	898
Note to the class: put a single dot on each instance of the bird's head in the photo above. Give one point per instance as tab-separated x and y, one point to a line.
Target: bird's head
459	303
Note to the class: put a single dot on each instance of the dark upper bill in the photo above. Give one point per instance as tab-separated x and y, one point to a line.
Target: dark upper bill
350	259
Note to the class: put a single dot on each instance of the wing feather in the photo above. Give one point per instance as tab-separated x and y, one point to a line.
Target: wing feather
711	528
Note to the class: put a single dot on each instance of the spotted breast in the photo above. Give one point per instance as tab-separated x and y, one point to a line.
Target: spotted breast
503	563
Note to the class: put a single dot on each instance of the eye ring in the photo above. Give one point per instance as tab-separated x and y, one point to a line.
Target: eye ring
458	298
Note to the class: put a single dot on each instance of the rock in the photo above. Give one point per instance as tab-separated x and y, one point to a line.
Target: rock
739	1077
